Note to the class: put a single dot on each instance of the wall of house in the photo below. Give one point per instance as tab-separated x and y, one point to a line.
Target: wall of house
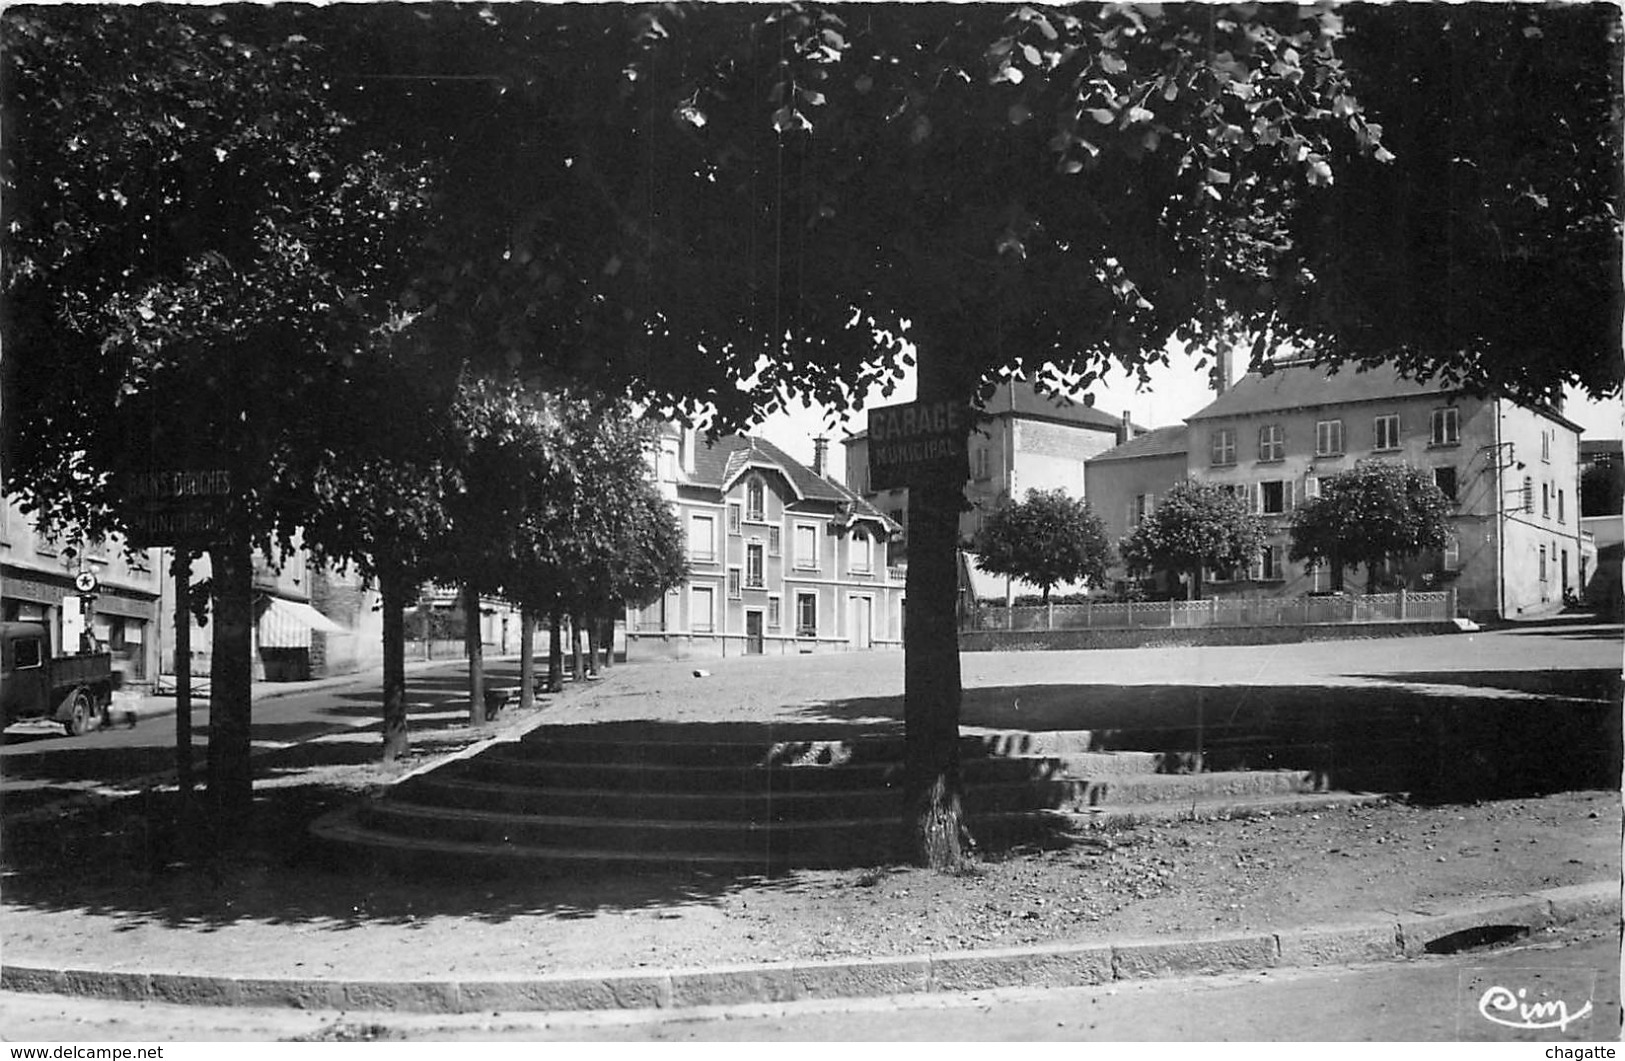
1114	486
36	585
345	598
1541	527
856	598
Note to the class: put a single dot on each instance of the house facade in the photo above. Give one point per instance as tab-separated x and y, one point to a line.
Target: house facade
37	576
1025	440
1516	543
781	558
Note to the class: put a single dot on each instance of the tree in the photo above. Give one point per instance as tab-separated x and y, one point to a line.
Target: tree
198	257
1378	510
1048	538
1196	526
1602	489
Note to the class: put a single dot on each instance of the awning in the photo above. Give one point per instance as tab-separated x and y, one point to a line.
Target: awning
287	624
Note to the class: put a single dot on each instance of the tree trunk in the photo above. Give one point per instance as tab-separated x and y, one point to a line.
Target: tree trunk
393	588
527	659
576	673
475	651
231	688
555	653
934	829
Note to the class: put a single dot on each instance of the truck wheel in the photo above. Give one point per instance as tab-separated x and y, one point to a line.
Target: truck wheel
83	718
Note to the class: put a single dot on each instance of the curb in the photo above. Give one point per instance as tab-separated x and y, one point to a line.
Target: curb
1377	938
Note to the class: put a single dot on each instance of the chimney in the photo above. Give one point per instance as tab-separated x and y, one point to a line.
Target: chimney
820	456
685	452
1125	430
1221	370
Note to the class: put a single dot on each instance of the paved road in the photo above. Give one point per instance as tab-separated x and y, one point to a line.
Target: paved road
38	764
1431	999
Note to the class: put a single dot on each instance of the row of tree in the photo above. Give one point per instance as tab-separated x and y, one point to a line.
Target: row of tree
1375	512
277	225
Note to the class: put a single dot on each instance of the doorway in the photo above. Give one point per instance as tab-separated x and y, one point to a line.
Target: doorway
753	633
861	610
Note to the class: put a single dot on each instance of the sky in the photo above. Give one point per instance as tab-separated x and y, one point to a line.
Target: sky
1176	391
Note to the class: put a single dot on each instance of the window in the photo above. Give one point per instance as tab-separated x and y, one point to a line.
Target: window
702	539
806	547
733	584
1445	480
1271	443
753	566
755	499
733	518
773	616
860	553
1560	518
981	471
1543	563
1311	487
774	545
1444	427
702	610
668	465
27	653
1545	501
1386	435
1141	507
1546	446
1272	497
806	615
1329	438
1452	553
1270	566
1224	446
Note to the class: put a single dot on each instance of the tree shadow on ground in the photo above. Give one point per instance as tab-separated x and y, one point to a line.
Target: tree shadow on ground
139	859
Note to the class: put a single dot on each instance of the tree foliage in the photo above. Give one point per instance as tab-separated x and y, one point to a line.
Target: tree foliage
1046	539
1197	525
1376	511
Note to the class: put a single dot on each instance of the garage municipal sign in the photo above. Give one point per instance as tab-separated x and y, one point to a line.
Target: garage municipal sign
917	443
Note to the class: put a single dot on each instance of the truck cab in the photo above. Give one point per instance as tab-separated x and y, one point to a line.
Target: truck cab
76	690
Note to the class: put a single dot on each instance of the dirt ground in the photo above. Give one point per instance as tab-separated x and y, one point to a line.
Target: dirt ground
119	887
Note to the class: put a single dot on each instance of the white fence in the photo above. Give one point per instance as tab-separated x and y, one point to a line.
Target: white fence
1234	611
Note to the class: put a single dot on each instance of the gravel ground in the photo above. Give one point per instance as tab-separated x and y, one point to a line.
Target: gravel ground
113	887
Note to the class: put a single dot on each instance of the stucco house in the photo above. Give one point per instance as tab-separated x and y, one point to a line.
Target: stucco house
781	557
1024	440
1511	469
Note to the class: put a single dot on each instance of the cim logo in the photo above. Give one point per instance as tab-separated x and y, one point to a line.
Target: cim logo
1526	1004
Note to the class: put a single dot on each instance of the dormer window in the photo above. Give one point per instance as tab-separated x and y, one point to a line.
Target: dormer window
755	499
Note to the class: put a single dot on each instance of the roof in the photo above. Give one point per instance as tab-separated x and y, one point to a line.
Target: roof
1022	398
1304	386
1601	447
1158	442
718	465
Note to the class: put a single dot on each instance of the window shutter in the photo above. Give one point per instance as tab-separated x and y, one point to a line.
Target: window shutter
1290	489
1258	498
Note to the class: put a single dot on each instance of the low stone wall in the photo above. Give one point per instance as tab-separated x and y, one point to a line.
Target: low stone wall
1170	637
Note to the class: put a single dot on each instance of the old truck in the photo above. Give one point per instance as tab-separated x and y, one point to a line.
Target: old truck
75	690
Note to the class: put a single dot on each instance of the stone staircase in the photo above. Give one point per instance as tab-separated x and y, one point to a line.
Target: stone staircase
760	798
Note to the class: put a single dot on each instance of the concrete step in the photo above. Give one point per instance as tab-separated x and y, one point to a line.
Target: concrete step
753	806
501	764
1184	788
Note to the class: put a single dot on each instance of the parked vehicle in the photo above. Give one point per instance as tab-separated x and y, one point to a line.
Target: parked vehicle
75	690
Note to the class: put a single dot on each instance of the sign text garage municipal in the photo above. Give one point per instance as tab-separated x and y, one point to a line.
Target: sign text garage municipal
917	442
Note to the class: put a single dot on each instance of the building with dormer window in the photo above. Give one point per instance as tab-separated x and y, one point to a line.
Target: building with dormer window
1511	469
781	557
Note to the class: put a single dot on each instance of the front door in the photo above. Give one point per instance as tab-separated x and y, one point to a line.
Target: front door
753	633
862	626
